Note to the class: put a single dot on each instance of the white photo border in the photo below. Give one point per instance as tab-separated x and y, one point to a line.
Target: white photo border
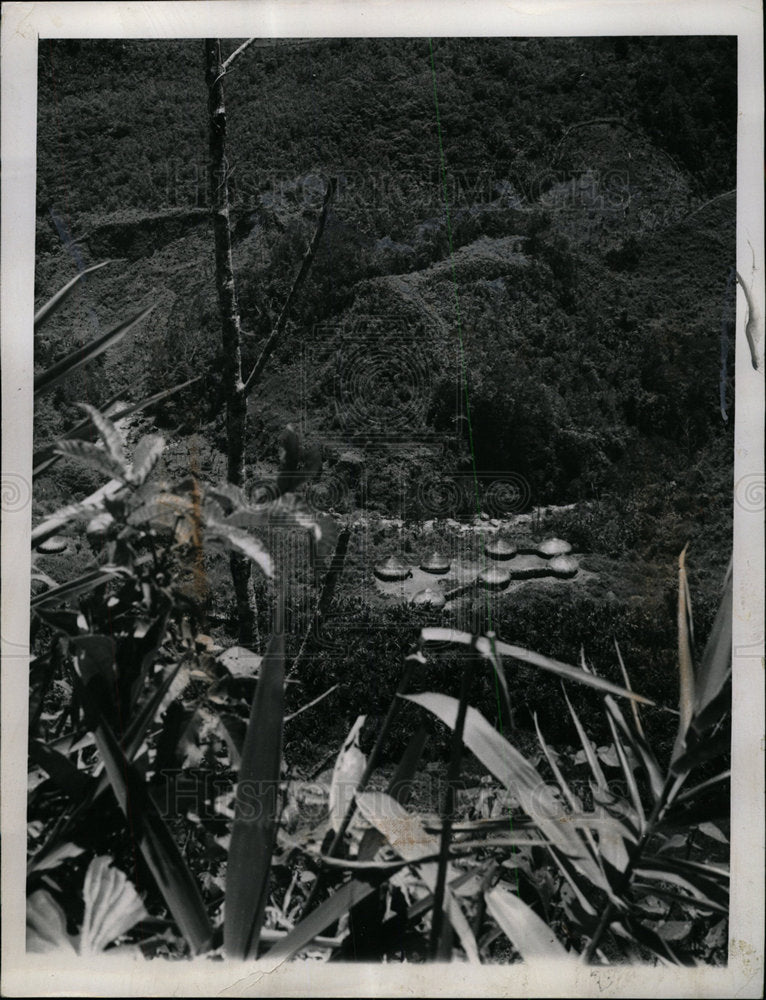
22	25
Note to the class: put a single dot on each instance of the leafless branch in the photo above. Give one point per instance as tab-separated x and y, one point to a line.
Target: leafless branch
279	326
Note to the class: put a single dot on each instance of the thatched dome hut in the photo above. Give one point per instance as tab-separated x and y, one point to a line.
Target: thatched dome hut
552	547
564	566
436	563
434	598
500	548
392	569
494	578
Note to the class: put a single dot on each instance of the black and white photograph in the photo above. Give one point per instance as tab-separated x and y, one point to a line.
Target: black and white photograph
383	501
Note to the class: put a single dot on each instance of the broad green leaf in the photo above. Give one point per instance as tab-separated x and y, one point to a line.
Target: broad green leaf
58	372
47	310
44	458
403	830
232	495
46	925
46	860
94	457
674	930
112	906
712	831
56	521
255	818
82	430
405	833
530	936
347	773
109	433
241	542
241	662
148	451
164	509
634	930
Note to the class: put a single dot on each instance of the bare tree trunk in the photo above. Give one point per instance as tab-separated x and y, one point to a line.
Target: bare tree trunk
236	402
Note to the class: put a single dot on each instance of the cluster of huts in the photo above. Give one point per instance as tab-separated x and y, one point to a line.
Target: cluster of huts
554	560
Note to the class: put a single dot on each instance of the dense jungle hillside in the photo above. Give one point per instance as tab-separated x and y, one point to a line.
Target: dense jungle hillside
583	260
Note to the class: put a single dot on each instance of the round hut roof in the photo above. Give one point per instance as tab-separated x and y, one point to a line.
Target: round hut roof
554	547
392	569
500	548
564	566
54	544
429	596
436	563
494	578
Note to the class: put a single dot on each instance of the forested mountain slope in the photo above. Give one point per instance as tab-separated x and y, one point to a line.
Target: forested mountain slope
578	278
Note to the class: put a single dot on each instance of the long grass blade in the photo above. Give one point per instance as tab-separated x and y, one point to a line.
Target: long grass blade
46	311
517	775
327	913
630	779
308	257
640	748
58	372
255	816
441	932
707	891
73	588
486	646
590	753
685	664
447	635
677	897
715	668
160	851
629	686
691	793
